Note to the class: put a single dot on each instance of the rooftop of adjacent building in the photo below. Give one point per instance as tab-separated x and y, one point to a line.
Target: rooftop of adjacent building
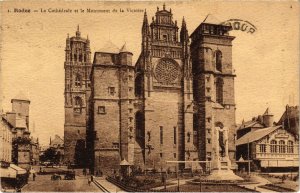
290	112
256	122
56	141
256	135
111	48
21	97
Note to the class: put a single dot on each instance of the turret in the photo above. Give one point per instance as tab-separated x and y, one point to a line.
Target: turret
268	118
78	32
68	48
125	56
184	35
145	27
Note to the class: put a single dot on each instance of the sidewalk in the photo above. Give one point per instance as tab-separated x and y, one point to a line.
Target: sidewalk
261	181
173	183
107	185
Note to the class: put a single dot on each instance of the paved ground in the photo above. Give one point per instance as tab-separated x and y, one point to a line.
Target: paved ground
260	181
43	183
107	185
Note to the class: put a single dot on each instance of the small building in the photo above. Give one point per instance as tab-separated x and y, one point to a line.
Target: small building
18	118
5	140
35	151
10	174
259	122
58	144
269	149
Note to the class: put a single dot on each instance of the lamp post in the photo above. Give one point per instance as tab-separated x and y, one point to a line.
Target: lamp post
248	146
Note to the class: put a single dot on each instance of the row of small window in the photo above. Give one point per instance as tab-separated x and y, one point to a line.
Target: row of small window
112	90
102	110
78	81
161	155
161	134
78	58
280	148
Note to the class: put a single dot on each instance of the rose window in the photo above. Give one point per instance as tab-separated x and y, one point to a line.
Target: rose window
166	71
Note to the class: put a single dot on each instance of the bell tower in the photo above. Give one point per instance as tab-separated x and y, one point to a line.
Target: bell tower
213	84
77	90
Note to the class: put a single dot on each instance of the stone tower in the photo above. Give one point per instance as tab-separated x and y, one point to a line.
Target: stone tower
20	106
111	108
164	126
213	84
77	90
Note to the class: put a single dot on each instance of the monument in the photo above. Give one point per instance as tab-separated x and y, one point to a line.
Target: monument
221	164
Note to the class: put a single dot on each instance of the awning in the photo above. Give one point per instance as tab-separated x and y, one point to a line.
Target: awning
11	172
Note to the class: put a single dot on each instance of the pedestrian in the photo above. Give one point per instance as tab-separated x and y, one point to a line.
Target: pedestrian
92	178
89	182
33	176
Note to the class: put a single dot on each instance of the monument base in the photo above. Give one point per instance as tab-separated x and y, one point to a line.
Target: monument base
223	175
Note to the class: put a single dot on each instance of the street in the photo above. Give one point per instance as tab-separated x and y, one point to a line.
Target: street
43	183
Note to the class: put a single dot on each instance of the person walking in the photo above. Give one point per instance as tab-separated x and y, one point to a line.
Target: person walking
33	176
89	182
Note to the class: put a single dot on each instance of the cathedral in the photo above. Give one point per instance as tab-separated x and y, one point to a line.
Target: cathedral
158	113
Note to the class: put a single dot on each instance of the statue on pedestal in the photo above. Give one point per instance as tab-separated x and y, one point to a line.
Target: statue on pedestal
221	164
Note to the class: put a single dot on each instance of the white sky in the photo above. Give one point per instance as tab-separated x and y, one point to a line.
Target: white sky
32	51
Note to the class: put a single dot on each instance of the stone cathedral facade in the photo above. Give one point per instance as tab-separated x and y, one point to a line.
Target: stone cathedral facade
164	107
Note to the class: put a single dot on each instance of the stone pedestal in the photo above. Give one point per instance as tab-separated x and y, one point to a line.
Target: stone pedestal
221	164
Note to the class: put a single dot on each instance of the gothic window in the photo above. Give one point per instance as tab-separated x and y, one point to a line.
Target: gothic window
78	105
290	147
273	146
75	57
161	134
167	71
281	146
175	135
80	57
139	86
219	61
140	129
78	80
219	91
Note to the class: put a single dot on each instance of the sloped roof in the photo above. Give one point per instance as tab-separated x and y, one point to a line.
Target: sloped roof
210	19
256	135
21	96
217	106
57	141
124	163
251	124
124	49
109	47
267	112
